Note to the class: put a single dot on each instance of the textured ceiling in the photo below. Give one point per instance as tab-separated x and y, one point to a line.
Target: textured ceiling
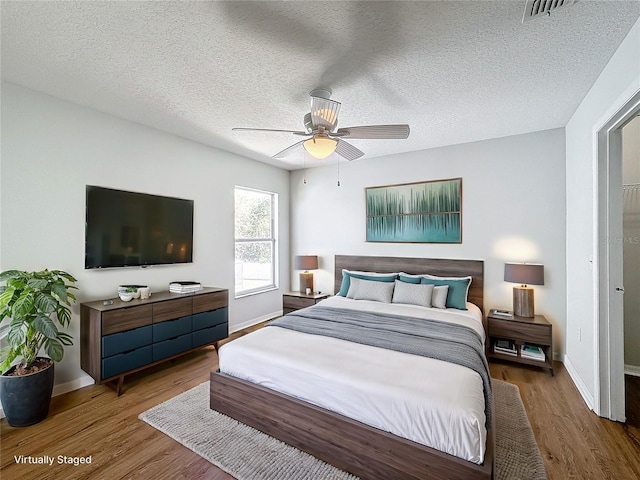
454	71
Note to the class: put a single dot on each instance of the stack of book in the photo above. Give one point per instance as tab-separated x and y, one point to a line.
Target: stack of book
501	313
184	287
506	347
532	352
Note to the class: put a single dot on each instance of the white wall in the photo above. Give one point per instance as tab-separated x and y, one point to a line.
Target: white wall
51	149
615	85
631	236
513	210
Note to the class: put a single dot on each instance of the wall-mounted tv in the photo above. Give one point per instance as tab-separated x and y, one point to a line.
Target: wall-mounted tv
126	229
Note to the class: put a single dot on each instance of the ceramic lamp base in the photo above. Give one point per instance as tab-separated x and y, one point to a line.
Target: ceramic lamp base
523	302
306	281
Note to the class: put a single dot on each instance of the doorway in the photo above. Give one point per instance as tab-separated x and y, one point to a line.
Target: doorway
631	267
610	381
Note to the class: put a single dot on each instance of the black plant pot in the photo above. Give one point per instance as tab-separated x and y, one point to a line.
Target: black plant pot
26	398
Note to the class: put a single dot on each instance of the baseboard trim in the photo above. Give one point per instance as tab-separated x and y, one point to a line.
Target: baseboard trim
83	381
62	388
255	321
587	396
632	370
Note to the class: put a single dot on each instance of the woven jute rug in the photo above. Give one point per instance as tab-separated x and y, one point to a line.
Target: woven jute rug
248	454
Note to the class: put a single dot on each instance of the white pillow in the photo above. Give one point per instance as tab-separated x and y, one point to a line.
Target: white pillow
412	293
353	286
376	291
370	274
439	296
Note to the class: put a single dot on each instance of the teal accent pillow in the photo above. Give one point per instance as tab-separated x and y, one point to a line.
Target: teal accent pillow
375	277
458	289
406	278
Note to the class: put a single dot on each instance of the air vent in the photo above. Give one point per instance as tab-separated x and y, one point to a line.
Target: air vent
535	8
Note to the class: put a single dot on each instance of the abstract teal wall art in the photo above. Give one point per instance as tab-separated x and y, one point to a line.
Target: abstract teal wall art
424	212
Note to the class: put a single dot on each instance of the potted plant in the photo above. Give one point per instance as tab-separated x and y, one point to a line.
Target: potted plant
33	305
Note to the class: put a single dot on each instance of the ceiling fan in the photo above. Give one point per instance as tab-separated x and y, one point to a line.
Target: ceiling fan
320	125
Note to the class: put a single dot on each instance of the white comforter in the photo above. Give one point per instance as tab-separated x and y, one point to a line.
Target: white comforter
435	403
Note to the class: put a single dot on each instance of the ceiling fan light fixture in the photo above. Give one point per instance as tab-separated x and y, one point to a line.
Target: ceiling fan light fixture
320	146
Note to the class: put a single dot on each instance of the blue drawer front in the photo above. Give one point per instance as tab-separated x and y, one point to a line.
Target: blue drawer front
209	335
124	362
171	347
171	328
209	319
125	341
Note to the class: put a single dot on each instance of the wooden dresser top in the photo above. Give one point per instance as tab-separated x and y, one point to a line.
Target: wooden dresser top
155	297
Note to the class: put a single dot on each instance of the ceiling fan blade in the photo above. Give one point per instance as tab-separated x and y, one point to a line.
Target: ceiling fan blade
324	113
296	132
348	151
289	150
400	131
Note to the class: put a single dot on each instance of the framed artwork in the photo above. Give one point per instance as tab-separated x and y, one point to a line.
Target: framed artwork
423	212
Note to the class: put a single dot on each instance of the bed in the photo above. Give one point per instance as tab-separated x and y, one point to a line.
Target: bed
342	434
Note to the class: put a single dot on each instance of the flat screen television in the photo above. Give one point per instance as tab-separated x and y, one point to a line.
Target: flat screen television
126	229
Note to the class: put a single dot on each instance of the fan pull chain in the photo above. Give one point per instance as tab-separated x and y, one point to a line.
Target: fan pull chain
304	167
338	165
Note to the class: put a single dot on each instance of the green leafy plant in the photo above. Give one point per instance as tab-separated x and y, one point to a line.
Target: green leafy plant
32	306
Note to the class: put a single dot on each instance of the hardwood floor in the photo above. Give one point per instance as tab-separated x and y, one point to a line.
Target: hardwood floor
94	421
573	441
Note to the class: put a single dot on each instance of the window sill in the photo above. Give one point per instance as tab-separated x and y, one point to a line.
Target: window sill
250	293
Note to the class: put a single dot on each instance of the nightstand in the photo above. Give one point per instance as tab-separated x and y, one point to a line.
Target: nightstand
292	301
534	331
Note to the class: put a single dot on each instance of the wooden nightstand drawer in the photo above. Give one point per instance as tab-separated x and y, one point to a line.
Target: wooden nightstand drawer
295	301
520	332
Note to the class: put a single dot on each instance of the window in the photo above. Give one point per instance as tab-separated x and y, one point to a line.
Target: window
255	241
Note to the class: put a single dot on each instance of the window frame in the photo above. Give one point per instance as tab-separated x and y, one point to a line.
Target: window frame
273	240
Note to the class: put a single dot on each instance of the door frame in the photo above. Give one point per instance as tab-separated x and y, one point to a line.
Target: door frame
609	302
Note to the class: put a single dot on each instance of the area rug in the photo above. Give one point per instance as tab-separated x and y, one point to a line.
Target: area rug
248	454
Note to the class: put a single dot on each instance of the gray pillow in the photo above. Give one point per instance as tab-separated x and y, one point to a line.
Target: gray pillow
439	297
412	293
370	290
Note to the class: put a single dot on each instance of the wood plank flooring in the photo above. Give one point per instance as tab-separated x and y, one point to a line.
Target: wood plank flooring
94	421
573	441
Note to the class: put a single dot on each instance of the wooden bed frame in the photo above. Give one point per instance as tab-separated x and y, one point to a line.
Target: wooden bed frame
347	444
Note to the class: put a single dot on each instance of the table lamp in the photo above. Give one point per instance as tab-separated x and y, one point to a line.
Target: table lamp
525	274
306	263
